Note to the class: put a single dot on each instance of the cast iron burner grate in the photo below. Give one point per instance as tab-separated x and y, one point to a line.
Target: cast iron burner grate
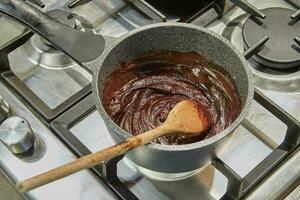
280	51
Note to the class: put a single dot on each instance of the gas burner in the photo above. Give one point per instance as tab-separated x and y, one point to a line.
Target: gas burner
281	51
45	55
41	53
266	78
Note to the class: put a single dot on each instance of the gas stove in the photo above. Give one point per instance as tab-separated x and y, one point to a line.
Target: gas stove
49	96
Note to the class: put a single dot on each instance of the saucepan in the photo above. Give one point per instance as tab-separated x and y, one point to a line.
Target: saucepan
103	56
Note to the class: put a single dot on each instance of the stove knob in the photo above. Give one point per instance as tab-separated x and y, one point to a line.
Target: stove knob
16	134
4	109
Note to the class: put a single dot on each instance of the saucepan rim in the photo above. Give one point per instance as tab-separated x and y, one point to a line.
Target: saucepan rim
184	147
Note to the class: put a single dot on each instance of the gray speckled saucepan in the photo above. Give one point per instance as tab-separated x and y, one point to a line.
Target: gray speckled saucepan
184	38
156	37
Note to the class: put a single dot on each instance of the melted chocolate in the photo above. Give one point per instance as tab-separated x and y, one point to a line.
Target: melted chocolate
140	93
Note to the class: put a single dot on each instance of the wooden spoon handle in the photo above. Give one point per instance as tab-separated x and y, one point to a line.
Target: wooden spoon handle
90	160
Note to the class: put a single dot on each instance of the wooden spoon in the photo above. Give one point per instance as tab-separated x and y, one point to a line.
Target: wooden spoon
184	119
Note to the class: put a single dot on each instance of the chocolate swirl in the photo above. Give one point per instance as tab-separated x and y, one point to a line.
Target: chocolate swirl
140	93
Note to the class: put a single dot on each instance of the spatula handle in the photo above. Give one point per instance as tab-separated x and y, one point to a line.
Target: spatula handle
90	160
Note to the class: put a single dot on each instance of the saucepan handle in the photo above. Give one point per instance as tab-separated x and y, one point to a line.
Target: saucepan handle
80	46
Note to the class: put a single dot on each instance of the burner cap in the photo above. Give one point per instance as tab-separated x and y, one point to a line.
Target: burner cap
280	51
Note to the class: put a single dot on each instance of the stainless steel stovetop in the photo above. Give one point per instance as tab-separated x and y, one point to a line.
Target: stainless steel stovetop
53	95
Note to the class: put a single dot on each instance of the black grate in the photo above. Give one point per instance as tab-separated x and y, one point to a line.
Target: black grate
239	187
